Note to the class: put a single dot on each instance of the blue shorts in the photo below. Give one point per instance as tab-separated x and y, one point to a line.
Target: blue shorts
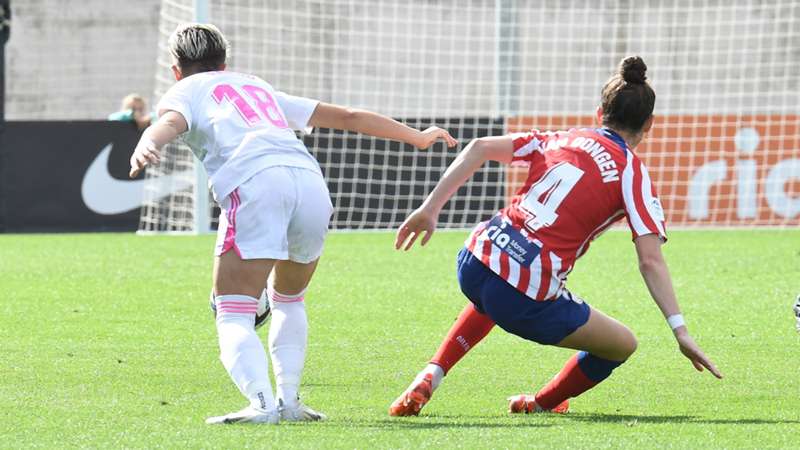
545	322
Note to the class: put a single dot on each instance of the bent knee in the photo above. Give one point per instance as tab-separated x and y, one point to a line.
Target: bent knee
628	344
621	347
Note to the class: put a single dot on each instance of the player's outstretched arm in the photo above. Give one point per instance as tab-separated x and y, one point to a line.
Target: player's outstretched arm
374	124
148	151
423	219
656	275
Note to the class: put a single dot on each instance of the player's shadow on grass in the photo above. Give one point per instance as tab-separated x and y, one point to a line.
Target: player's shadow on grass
631	419
437	422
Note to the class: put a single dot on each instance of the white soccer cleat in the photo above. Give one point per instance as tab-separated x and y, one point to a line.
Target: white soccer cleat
247	415
299	413
796	309
263	311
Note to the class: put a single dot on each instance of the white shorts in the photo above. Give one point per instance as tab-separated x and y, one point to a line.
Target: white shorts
280	213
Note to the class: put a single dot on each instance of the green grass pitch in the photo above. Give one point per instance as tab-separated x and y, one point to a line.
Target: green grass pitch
106	341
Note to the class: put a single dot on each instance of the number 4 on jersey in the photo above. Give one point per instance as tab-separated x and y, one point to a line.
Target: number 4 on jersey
554	185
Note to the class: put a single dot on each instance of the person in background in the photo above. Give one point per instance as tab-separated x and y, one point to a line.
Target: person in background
134	109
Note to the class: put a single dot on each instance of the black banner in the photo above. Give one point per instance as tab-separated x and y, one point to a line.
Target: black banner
73	176
68	176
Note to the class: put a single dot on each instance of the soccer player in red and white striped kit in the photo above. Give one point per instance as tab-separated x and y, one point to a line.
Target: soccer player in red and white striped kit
514	266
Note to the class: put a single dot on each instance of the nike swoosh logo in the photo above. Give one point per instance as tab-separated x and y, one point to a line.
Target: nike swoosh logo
107	195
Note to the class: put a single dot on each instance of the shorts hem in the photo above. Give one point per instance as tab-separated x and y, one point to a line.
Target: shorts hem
245	254
304	260
280	256
554	339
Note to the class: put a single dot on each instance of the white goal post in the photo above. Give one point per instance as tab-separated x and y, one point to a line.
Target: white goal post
725	150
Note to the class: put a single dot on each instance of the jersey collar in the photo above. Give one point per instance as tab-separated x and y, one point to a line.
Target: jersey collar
611	134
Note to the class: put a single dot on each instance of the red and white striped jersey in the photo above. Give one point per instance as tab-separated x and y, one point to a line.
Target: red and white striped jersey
579	183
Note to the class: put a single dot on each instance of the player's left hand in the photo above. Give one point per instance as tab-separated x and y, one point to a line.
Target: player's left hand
429	136
691	350
146	153
420	221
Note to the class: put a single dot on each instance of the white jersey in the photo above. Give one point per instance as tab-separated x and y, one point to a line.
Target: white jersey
239	125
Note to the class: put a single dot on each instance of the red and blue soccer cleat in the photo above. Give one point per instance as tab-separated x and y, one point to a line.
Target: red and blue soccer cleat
526	404
414	398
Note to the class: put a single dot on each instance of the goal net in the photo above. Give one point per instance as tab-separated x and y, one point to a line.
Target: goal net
725	150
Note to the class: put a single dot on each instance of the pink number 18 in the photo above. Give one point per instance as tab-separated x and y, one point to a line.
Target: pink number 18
264	102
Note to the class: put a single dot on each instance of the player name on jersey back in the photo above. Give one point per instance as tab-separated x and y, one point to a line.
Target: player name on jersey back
601	156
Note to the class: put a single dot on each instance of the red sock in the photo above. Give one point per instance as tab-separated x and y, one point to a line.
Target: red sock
470	327
570	382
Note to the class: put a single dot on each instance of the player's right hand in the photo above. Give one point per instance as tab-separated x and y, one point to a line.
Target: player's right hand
429	137
691	350
146	154
420	221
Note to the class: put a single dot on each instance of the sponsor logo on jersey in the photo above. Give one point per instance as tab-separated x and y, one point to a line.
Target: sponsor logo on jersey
510	240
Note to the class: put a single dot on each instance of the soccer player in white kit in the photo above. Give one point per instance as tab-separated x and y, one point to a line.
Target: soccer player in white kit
275	207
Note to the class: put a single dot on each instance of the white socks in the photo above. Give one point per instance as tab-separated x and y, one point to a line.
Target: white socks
288	334
241	351
243	355
436	371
